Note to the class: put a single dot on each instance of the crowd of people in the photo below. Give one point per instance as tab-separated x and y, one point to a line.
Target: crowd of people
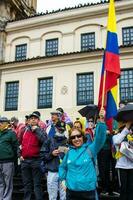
77	157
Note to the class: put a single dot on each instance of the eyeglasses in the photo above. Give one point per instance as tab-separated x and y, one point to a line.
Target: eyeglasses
74	136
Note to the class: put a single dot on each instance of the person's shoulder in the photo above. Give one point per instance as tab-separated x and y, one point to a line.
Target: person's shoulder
11	132
71	148
21	124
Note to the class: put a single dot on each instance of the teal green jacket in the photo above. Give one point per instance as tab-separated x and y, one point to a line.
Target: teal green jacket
8	146
77	168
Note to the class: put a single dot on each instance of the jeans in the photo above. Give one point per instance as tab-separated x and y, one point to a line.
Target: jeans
31	173
6	180
54	185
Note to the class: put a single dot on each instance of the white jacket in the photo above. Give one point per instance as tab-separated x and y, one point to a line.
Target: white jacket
123	162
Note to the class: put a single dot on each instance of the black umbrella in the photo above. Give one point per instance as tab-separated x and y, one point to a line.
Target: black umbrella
89	111
125	114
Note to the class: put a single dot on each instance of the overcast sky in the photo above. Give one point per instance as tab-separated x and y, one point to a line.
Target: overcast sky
50	5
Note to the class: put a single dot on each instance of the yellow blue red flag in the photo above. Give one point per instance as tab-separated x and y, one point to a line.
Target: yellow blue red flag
110	69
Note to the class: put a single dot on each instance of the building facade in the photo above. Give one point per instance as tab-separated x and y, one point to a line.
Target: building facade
13	10
54	59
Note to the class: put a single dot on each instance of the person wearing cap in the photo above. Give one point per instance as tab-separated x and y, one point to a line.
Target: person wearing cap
55	117
52	152
41	124
8	154
32	140
64	116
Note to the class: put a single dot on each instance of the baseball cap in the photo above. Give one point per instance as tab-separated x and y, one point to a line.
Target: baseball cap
60	109
57	112
4	119
35	114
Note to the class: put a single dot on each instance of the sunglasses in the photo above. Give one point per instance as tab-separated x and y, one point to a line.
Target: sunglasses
77	127
74	136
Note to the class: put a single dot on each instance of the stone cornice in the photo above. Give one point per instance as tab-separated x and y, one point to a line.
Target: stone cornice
67	16
53	60
91	56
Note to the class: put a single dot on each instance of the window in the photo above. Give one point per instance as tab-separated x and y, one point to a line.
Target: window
45	91
87	41
21	52
51	47
126	85
85	89
11	101
127	34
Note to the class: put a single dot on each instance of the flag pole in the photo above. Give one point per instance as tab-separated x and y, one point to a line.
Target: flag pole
103	90
102	110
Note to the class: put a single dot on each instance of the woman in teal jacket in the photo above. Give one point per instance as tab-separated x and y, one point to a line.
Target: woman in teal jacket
77	168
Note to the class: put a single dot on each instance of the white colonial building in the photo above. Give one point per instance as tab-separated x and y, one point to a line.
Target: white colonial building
54	59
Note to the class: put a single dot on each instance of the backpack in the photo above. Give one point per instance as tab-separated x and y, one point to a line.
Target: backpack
93	160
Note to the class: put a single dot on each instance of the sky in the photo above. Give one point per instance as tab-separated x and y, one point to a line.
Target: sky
43	5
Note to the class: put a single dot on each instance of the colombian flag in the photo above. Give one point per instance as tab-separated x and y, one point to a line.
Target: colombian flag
110	70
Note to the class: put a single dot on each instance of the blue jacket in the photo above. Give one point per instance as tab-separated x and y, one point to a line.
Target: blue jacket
77	168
